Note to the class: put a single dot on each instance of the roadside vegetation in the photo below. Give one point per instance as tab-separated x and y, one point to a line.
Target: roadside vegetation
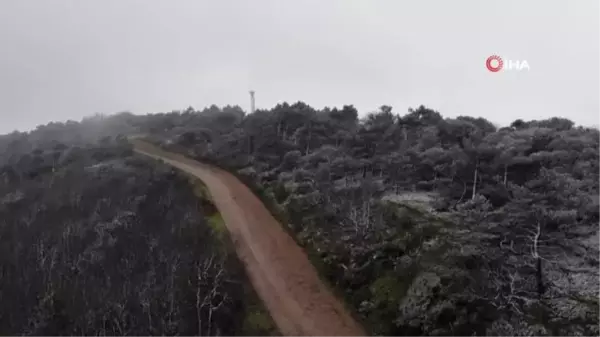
97	241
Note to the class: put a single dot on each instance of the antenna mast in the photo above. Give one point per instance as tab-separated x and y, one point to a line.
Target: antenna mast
252	108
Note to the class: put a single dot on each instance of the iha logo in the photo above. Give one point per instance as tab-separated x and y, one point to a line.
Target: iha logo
495	63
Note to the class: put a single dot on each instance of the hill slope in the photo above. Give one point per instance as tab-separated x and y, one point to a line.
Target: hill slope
504	243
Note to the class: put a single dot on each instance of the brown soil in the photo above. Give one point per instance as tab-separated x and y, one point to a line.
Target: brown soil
279	269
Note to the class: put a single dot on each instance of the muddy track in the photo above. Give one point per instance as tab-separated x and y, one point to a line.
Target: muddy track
284	278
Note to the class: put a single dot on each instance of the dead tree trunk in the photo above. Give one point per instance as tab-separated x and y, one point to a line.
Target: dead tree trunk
538	260
475	180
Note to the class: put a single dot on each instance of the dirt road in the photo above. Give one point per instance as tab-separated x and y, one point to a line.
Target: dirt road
279	269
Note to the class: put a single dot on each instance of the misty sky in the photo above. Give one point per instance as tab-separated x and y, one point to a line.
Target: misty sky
64	60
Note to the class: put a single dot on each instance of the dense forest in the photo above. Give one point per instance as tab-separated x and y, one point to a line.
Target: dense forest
425	225
97	241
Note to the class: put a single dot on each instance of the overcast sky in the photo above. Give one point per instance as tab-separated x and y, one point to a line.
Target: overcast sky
64	60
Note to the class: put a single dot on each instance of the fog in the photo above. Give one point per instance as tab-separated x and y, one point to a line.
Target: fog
68	59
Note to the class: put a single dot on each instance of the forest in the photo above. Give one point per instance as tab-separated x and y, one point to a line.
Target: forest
97	241
424	225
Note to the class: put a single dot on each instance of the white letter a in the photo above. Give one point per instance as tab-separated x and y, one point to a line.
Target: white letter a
524	64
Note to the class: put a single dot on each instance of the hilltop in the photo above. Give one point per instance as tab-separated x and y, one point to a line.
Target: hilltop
425	225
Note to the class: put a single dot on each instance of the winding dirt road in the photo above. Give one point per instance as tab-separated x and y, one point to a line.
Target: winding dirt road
284	278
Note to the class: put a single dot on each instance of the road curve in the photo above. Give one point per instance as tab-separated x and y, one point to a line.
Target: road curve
284	278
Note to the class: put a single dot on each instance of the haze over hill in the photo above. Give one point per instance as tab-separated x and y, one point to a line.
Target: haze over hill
473	212
66	59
